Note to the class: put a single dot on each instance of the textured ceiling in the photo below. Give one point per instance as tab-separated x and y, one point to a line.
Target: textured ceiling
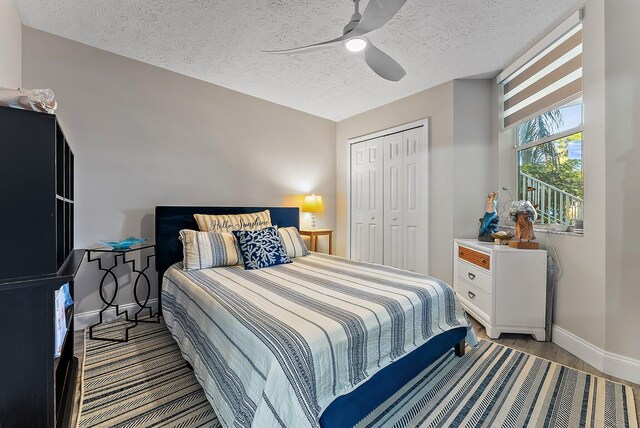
220	41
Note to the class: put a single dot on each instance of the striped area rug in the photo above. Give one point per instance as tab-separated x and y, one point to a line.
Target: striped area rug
141	383
497	386
146	383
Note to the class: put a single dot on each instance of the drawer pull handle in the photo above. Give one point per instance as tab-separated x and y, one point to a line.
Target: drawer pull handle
471	276
471	294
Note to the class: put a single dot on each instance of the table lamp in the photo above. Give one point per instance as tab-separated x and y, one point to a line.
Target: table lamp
313	204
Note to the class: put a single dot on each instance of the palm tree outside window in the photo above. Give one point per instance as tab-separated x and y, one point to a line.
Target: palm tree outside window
550	167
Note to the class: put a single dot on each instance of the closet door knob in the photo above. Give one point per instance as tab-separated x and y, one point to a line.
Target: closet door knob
373	218
395	218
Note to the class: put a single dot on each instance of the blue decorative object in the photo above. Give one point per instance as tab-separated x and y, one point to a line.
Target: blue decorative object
489	222
125	244
68	301
261	248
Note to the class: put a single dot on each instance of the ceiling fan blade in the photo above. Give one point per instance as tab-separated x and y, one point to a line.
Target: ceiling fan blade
377	13
382	64
322	45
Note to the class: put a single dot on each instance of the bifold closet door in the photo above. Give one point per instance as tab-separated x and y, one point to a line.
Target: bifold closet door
405	201
366	201
393	200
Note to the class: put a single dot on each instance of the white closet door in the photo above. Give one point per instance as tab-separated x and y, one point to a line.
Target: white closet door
376	203
414	198
366	201
393	200
389	200
359	191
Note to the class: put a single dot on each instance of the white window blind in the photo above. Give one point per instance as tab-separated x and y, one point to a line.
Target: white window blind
552	77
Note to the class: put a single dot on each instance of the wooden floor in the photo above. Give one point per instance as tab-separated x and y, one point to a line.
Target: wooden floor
521	342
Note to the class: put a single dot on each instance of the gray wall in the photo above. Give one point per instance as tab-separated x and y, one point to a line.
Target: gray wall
436	104
460	159
474	153
622	194
580	293
144	136
10	46
598	294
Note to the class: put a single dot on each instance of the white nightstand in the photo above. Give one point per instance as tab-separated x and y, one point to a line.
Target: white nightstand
503	288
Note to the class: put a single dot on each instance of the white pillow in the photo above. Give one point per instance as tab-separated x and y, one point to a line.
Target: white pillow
231	222
293	243
202	250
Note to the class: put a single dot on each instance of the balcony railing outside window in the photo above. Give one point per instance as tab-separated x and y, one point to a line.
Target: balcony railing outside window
554	205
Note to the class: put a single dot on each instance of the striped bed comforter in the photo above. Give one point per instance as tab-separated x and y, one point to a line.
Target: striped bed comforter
274	347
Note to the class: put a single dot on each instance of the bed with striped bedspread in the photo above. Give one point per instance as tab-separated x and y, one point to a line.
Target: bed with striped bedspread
274	347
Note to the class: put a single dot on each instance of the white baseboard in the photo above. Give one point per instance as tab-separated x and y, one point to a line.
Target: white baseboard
607	362
579	347
85	319
622	367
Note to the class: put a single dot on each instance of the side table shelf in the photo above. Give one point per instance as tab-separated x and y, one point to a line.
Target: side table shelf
313	238
140	275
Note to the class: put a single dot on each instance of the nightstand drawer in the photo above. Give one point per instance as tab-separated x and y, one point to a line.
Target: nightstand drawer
474	275
476	257
473	295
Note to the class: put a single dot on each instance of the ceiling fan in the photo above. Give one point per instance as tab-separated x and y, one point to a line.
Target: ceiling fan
376	14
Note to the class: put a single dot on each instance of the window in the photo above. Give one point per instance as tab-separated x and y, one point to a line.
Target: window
549	160
541	101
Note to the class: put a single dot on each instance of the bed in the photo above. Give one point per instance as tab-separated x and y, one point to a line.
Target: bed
319	342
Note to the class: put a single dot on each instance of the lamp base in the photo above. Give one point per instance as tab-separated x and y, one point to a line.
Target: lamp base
314	225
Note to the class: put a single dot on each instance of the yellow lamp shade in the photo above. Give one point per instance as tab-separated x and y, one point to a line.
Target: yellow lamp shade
313	204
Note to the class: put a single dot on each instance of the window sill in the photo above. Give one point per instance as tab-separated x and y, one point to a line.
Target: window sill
549	231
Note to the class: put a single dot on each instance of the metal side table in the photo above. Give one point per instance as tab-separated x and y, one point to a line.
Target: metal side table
93	255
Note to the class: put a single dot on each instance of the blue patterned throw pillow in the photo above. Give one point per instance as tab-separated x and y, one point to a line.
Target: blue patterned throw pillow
261	248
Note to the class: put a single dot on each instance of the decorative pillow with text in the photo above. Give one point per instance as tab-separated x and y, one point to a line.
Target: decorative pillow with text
231	222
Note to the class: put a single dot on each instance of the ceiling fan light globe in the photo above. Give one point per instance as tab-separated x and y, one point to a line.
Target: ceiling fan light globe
356	44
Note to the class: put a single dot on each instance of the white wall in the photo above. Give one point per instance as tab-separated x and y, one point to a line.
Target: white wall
460	161
10	46
144	136
622	193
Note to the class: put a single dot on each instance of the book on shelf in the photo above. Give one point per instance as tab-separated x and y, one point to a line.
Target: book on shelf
62	301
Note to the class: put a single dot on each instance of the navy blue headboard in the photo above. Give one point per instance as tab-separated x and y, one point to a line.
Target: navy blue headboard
171	219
